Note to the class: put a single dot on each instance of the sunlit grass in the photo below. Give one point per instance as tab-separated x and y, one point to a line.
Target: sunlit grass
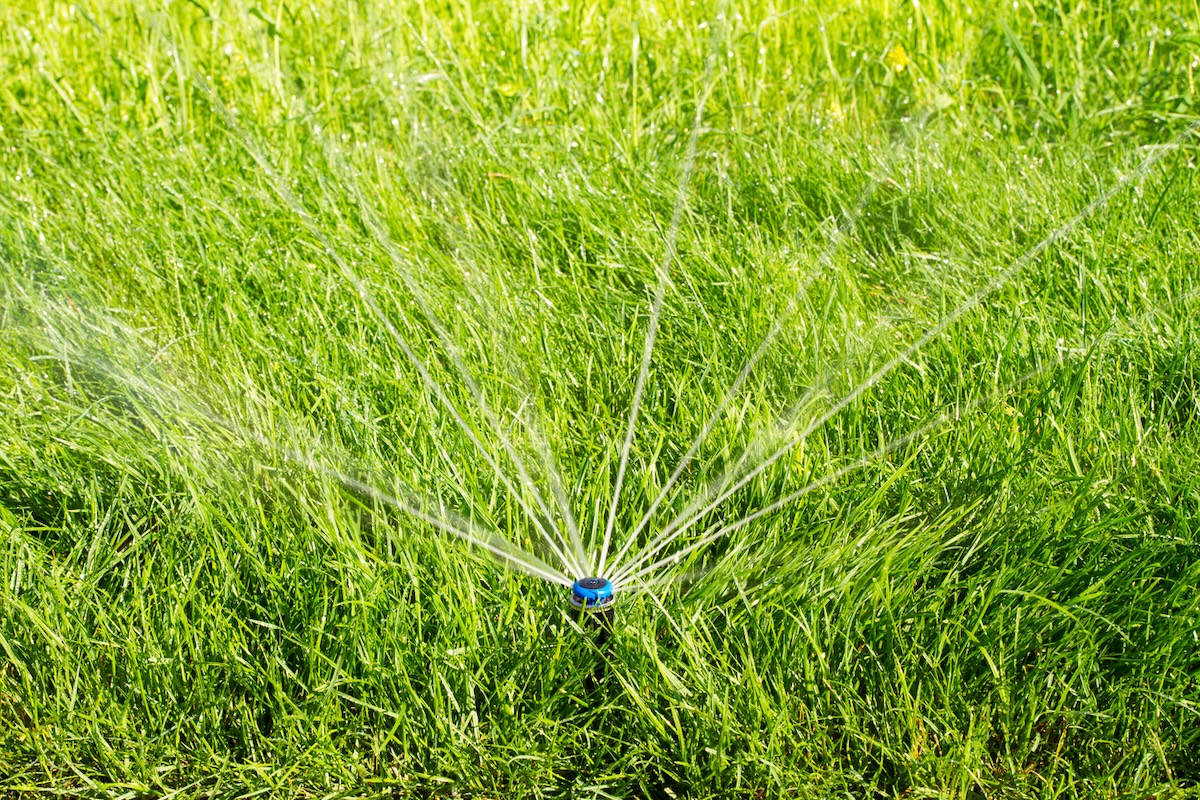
213	212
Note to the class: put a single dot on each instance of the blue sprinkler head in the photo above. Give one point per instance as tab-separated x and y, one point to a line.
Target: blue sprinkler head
593	594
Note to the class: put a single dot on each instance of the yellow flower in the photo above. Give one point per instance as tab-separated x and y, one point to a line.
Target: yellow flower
897	58
836	113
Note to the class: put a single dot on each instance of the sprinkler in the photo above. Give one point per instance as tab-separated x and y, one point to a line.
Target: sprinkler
593	597
594	594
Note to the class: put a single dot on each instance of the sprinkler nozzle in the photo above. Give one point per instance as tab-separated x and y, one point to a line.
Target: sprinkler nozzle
593	594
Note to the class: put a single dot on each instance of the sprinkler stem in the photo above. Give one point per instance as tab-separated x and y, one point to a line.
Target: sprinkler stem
594	598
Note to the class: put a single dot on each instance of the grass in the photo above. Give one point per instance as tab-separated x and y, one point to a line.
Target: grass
205	592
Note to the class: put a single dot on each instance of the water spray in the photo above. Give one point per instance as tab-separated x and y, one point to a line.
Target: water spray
593	599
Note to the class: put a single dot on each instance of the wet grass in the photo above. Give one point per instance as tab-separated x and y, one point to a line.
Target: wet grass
202	595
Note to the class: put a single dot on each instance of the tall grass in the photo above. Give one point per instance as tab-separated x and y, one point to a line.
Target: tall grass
1002	606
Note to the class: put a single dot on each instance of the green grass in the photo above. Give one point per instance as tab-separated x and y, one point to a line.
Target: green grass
194	604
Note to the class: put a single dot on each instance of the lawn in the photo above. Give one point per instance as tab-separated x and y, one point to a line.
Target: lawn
857	345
